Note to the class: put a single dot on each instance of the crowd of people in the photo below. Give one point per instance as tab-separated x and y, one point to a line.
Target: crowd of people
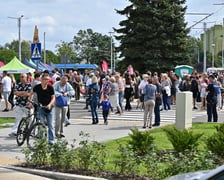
114	92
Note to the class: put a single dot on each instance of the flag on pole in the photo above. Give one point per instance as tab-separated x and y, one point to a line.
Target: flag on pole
104	65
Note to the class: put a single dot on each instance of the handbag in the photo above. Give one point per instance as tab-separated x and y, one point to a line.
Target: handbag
61	101
158	100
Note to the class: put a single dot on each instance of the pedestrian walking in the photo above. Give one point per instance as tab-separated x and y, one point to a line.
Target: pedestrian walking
106	108
93	92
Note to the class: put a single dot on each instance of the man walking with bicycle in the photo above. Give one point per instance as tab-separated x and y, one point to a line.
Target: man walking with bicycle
22	92
46	98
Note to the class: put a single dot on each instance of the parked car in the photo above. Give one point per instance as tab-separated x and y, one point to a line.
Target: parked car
213	174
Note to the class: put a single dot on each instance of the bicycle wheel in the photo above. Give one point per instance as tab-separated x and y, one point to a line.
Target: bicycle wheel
22	131
36	132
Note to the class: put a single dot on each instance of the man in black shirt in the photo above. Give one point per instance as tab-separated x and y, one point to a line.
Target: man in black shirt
46	97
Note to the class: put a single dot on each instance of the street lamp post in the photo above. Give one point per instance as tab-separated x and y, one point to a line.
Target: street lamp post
204	66
223	43
19	33
44	49
111	51
213	54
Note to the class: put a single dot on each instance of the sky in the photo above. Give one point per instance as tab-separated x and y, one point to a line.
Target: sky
62	19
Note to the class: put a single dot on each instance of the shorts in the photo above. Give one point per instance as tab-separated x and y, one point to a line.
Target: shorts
6	95
203	93
173	92
195	94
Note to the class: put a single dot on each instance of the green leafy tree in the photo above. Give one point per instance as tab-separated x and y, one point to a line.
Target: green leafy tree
92	46
65	52
6	55
153	35
25	48
51	57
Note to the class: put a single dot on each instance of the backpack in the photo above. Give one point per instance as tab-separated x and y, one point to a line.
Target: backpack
181	85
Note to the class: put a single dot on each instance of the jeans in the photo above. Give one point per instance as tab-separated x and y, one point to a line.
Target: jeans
105	115
166	102
157	114
93	106
49	118
211	111
120	99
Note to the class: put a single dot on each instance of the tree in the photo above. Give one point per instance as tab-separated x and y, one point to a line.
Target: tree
25	48
92	46
6	55
51	57
154	35
66	53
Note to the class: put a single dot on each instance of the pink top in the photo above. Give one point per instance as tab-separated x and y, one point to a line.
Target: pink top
130	70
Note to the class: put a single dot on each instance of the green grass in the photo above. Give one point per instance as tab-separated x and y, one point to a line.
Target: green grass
161	139
4	122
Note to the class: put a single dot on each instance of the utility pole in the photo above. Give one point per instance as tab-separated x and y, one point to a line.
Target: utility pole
223	43
213	55
111	51
44	49
19	33
204	66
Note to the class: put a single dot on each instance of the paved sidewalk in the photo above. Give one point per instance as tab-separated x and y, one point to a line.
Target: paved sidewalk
100	133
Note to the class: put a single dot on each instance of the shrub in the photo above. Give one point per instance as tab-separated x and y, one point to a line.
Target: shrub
141	142
57	153
189	161
126	161
40	153
215	143
182	139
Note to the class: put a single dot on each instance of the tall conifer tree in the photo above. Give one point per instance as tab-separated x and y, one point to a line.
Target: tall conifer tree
154	35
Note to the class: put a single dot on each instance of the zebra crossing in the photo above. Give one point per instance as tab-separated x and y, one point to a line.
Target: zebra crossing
137	115
77	112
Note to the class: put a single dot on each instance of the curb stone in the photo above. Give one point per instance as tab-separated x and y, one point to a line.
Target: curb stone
51	174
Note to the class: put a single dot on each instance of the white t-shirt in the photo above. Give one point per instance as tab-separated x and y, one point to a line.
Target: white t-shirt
7	84
54	77
89	81
142	85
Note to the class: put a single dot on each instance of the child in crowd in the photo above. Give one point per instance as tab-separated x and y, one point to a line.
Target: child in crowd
106	107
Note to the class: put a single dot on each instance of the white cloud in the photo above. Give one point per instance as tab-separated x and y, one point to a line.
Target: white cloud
62	19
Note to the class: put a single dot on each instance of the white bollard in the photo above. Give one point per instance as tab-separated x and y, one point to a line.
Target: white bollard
184	110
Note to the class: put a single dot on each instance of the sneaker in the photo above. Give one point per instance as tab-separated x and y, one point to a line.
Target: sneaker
13	107
67	124
106	122
62	135
5	110
12	135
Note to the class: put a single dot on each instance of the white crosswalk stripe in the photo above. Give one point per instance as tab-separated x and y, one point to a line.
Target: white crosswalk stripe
137	115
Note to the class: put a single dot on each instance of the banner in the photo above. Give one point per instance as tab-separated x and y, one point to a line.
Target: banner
104	65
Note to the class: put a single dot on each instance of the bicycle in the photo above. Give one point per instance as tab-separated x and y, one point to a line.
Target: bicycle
30	127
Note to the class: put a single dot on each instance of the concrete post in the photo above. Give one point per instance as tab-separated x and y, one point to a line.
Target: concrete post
184	110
